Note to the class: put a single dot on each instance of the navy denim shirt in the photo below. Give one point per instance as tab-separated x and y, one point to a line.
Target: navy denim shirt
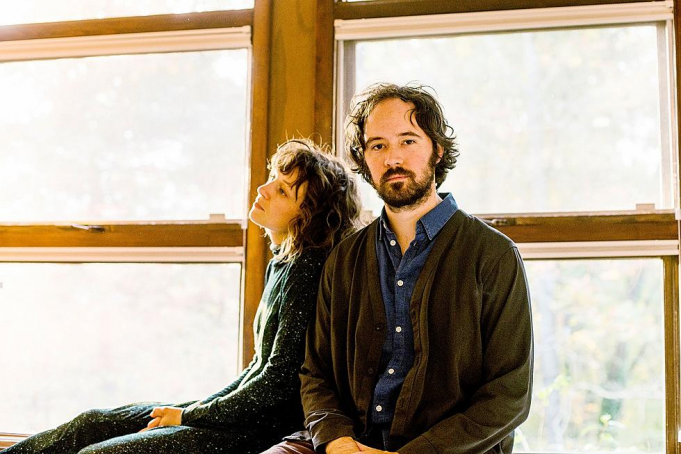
398	275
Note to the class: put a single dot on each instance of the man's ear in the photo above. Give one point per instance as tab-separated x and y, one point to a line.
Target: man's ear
440	153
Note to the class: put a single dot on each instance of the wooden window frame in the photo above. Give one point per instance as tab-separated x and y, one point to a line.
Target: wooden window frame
177	241
281	59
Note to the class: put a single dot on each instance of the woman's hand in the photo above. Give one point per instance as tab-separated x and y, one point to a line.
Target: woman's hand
164	416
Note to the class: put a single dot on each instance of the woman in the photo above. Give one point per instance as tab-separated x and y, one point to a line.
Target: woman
308	205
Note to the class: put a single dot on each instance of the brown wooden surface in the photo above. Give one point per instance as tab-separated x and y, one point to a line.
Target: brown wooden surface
324	90
672	348
8	439
672	351
292	71
120	25
123	235
522	229
256	247
392	8
676	57
603	227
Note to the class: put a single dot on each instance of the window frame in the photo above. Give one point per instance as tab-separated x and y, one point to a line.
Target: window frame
276	64
216	240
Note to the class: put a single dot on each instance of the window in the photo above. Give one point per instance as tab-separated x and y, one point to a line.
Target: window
566	116
106	334
599	356
125	137
548	104
122	249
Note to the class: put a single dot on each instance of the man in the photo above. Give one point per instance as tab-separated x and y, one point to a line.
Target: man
423	336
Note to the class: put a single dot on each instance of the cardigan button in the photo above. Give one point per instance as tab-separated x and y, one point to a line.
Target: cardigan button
379	327
370	371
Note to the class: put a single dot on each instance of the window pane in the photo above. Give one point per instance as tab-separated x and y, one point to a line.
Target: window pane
99	335
30	11
131	137
547	121
599	357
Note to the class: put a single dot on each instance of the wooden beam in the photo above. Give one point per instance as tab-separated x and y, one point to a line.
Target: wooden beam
324	75
253	276
9	439
123	235
571	228
676	60
292	71
672	352
395	8
126	25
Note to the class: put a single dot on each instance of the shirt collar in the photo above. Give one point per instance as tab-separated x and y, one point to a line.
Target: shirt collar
431	222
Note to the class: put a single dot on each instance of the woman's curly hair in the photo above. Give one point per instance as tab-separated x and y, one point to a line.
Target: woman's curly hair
427	112
331	206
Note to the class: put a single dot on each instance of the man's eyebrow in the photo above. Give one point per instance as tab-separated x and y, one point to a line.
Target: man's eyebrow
402	134
373	139
409	134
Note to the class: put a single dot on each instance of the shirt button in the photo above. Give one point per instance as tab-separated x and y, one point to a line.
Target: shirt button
391	371
370	371
379	408
400	283
393	242
398	329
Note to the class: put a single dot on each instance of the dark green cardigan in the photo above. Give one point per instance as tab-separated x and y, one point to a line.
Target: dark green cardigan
471	381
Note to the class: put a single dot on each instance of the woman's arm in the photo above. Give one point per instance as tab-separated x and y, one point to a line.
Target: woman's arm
278	380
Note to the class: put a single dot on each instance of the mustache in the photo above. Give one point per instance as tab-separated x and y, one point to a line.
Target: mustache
396	171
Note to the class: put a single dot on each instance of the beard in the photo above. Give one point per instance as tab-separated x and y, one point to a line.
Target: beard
408	193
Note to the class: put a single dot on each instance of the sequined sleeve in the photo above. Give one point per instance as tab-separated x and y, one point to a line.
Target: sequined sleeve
276	383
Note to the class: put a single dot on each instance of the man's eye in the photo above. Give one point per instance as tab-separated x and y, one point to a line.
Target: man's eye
377	147
282	192
409	141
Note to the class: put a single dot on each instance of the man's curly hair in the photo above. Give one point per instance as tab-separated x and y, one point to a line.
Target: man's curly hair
331	206
427	113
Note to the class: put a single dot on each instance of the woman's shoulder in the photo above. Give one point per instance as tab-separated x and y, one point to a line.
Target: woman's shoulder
309	258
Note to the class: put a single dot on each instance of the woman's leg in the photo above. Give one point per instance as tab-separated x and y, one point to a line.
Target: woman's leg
175	440
87	428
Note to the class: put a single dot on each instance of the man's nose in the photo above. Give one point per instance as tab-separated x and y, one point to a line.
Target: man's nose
394	157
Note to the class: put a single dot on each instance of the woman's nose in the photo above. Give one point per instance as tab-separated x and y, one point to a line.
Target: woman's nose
262	190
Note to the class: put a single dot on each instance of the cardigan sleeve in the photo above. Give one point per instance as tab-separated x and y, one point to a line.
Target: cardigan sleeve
324	416
502	402
278	380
